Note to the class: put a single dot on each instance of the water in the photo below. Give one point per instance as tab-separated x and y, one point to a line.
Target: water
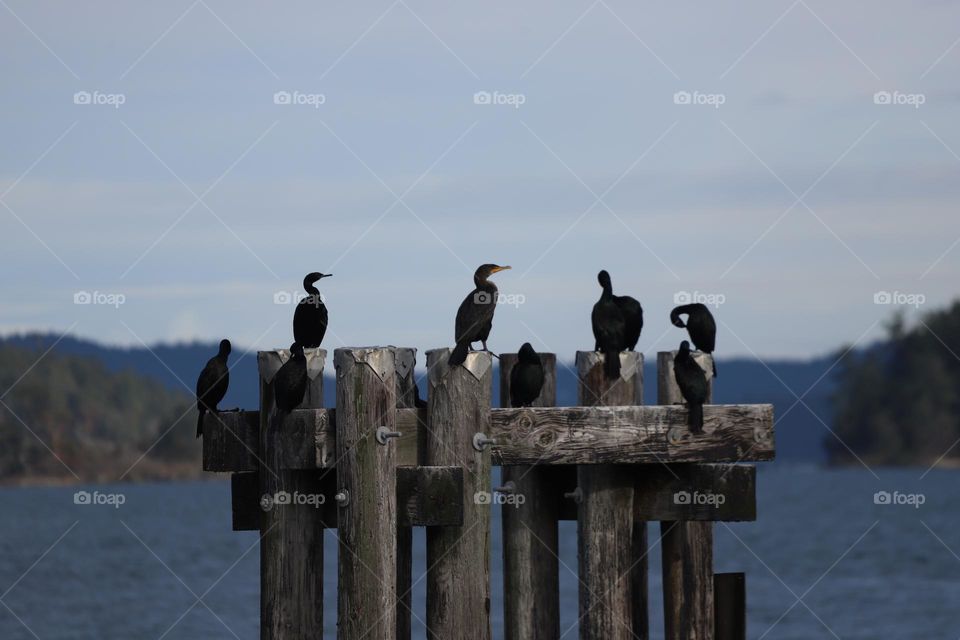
166	565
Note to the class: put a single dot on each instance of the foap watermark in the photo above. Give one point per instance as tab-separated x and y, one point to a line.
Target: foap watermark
99	98
900	499
296	297
510	499
899	298
100	298
284	498
512	299
714	100
498	98
115	500
697	498
899	98
298	98
690	297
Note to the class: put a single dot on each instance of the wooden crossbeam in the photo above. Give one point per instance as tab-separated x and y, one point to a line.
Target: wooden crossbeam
426	496
545	436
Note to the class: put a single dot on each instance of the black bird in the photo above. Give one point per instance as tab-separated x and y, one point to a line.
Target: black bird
610	327
700	325
310	318
632	315
212	383
692	381
526	378
290	383
475	315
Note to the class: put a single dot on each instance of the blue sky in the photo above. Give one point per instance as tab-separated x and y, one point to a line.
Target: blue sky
785	188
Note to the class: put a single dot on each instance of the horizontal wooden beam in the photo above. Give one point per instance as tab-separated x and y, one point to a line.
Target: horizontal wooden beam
684	492
544	435
426	496
631	435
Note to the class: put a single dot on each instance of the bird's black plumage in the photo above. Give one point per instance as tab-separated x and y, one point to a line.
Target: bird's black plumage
310	317
526	377
700	325
692	381
290	383
609	327
212	383
475	315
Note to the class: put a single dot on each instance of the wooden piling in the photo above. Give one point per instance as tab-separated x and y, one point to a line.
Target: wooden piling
611	551
531	575
730	606
291	535
405	361
458	582
687	547
366	485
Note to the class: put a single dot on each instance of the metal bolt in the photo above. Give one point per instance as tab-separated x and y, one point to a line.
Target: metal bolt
481	441
576	495
760	434
675	435
509	487
342	498
384	434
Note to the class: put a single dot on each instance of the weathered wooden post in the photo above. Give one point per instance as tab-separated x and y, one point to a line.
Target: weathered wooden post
611	553
291	535
405	359
687	546
366	493
458	582
730	606
531	574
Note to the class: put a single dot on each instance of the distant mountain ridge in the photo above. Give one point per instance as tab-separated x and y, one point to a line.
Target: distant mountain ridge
800	429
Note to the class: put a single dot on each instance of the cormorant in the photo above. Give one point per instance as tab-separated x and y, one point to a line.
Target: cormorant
475	315
609	327
700	325
310	317
212	384
526	378
692	381
290	383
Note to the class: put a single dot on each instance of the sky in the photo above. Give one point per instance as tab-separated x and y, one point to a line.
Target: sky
185	162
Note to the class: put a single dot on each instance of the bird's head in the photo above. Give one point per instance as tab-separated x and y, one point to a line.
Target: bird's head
685	347
604	279
224	348
310	278
527	354
296	351
484	271
676	319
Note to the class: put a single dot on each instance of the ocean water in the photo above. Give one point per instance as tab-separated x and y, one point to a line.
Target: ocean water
823	560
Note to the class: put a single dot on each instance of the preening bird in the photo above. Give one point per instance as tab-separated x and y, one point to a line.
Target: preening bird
290	383
692	381
610	327
212	383
310	317
700	325
526	378
475	315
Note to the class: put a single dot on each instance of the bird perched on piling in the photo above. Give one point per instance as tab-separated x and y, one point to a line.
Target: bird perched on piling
526	378
290	383
475	315
310	317
692	381
617	321
212	383
700	325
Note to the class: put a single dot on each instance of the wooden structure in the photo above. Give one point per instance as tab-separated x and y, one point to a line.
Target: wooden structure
375	466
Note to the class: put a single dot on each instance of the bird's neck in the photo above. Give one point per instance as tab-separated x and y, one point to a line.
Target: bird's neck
310	288
484	284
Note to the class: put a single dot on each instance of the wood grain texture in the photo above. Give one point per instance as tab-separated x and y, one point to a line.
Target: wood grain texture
291	537
687	547
231	441
730	605
458	583
531	569
366	470
611	551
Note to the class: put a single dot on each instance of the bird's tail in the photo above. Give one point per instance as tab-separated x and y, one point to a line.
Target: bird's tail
459	354
611	364
696	418
200	422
